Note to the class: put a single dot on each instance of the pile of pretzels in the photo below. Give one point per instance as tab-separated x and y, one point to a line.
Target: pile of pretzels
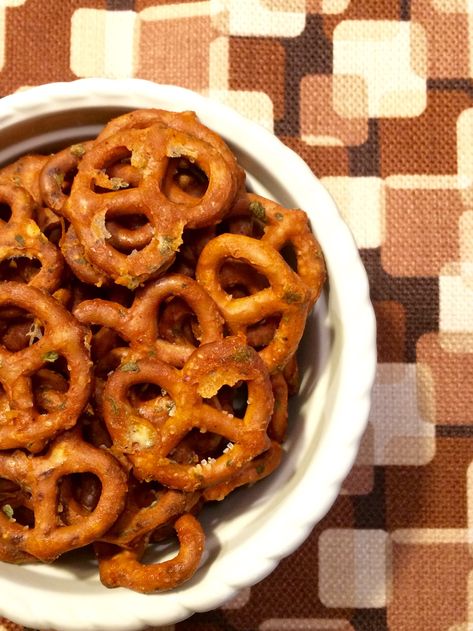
150	313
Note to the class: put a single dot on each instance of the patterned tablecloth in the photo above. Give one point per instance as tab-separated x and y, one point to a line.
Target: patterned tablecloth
377	96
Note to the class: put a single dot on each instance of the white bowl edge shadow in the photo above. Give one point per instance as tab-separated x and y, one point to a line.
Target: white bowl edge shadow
338	353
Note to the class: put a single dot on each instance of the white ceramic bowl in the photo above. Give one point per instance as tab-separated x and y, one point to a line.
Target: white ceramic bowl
252	530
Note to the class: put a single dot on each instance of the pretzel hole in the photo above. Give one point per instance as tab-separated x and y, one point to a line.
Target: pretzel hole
14	502
118	293
20	269
161	551
261	333
151	401
197	447
95	431
234	399
83	488
187	176
19	329
245	225
177	322
105	340
146	494
239	279
49	389
288	253
5	212
116	173
124	230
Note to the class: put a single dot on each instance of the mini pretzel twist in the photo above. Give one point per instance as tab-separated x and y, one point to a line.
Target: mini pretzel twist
139	324
138	521
148	444
188	123
21	425
251	472
20	236
121	567
286	296
282	227
151	149
39	477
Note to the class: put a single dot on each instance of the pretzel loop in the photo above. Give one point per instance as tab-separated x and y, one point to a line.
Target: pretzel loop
139	324
40	477
148	445
286	296
20	237
21	425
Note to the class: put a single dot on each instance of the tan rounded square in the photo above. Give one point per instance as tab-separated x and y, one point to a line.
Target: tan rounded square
320	123
451	6
350	96
286	6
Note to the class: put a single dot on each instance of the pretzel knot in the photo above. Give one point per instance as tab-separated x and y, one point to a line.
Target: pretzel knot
120	567
149	441
282	227
140	324
20	238
97	198
39	478
187	123
286	297
62	340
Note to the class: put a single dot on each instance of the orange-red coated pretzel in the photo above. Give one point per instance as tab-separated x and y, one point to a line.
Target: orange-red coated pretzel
283	227
139	324
20	237
39	476
138	520
22	425
278	424
74	253
188	123
57	173
286	296
25	172
122	568
56	177
150	149
148	446
252	472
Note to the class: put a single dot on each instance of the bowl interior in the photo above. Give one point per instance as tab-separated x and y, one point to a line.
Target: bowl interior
254	516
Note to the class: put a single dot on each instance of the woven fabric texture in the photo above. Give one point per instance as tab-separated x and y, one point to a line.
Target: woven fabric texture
377	97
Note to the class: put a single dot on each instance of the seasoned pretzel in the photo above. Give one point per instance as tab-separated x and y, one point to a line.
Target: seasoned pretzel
146	511
39	477
283	227
286	296
57	173
20	237
55	181
210	367
151	149
188	123
25	172
139	324
252	472
122	568
278	424
74	253
22	425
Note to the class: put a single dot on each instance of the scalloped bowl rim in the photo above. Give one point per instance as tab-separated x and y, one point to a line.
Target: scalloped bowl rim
350	316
